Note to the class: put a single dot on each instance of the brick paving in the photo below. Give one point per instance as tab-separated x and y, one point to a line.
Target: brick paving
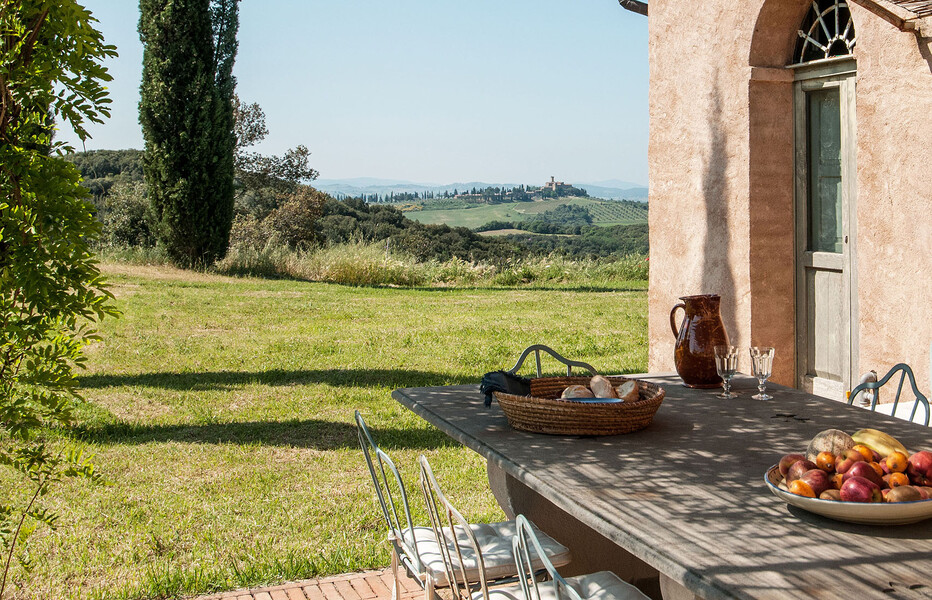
366	585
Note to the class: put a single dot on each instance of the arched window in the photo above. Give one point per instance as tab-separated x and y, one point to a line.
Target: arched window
827	31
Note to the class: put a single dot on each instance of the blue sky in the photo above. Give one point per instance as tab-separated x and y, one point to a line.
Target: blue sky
428	90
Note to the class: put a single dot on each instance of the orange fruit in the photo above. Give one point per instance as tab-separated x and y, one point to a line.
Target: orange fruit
876	466
897	479
837	479
864	451
801	488
826	461
897	462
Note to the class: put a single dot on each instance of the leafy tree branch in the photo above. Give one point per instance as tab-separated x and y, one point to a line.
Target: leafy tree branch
51	290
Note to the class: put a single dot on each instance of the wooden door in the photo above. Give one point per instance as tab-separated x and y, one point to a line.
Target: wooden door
825	260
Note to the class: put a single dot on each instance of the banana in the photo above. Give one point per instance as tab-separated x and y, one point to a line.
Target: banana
883	443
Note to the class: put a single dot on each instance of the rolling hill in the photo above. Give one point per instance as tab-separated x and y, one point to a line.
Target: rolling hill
604	213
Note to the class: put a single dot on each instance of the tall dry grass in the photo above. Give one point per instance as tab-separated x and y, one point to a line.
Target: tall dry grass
372	264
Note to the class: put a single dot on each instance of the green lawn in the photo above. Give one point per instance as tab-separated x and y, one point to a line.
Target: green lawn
604	212
221	414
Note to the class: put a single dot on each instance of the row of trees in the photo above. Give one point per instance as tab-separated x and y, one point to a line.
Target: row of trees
487	195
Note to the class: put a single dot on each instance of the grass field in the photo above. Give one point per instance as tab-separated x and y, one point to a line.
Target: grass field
604	212
220	411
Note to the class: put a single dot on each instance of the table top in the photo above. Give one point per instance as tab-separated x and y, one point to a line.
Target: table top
687	494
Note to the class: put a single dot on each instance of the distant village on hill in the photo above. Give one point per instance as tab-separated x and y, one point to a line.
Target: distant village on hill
391	191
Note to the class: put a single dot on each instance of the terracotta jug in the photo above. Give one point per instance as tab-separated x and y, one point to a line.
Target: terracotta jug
702	329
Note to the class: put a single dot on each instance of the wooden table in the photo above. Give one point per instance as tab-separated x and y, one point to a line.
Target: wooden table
687	495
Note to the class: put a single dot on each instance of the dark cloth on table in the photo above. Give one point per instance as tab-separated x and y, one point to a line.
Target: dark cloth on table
505	382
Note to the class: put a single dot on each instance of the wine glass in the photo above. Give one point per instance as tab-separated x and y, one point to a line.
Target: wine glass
761	367
726	363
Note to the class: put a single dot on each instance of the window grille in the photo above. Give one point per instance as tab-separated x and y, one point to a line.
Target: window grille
826	32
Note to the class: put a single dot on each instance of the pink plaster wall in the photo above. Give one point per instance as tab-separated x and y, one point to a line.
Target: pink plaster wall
721	179
697	161
894	120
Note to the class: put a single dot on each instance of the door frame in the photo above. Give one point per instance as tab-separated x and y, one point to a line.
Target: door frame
830	73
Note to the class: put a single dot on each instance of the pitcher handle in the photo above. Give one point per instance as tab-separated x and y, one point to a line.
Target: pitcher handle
676	332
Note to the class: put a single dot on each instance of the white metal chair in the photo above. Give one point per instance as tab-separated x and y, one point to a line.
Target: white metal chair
415	548
603	585
392	496
905	373
467	557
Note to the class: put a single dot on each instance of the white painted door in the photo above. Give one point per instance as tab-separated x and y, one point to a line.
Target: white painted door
825	260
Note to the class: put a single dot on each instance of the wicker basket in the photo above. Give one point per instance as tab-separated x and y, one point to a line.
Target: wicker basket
545	412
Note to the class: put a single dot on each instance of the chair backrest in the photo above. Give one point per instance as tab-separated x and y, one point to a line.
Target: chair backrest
454	538
537	348
392	496
905	373
527	547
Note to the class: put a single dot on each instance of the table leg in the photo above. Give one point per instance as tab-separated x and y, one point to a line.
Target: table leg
674	590
591	551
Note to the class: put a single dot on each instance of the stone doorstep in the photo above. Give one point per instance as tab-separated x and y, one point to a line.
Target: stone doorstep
365	585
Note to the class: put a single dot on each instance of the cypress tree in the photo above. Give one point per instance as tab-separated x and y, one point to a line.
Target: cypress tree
224	24
186	114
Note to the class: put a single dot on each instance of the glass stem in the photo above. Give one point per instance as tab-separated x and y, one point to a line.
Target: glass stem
760	386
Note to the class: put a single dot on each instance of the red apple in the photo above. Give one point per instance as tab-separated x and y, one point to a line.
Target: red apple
859	489
797	469
842	466
818	480
865	470
787	461
920	463
924	491
920	480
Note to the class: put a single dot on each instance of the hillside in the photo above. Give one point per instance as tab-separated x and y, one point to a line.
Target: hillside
603	212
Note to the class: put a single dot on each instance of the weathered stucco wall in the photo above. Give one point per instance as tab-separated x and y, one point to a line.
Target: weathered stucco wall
697	161
721	179
894	121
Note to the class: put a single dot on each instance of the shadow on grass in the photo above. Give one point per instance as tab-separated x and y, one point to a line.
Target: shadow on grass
312	433
220	380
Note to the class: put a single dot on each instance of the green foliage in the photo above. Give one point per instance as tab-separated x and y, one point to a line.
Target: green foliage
563	190
354	220
566	218
186	114
594	242
265	182
292	224
51	291
102	169
126	217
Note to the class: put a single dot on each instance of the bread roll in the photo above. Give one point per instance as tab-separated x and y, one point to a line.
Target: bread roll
577	391
628	391
602	387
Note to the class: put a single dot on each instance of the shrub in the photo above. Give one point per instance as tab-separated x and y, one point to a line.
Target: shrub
126	217
294	221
